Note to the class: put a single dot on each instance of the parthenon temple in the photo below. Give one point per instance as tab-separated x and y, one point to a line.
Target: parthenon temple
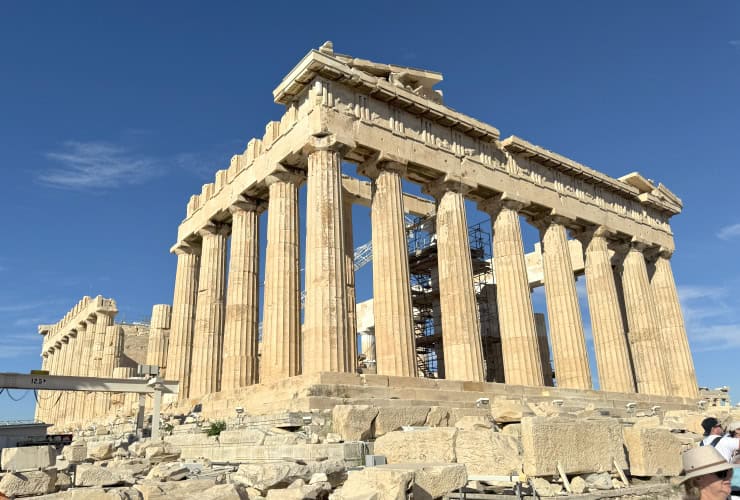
391	123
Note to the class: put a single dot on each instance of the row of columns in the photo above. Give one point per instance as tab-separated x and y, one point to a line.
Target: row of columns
91	349
214	333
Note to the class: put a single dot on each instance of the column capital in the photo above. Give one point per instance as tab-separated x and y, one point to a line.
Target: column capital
327	142
185	247
382	161
493	206
587	233
246	204
452	183
213	228
285	174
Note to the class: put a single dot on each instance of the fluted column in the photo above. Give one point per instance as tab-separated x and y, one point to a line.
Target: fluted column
110	348
281	340
183	316
242	301
85	334
104	320
644	336
679	361
41	405
491	334
50	402
71	370
209	313
566	326
349	265
519	345
461	339
325	318
395	348
544	346
159	336
610	341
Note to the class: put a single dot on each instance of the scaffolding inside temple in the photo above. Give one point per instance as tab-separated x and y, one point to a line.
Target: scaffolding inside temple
427	323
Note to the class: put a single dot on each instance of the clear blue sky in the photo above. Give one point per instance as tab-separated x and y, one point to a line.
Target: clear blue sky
113	113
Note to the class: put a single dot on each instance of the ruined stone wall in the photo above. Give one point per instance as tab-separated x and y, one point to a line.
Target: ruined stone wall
135	340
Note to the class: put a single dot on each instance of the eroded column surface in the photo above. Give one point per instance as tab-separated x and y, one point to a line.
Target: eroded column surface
519	345
349	265
71	370
460	327
85	335
159	333
110	360
51	402
39	413
209	313
644	335
242	301
491	334
395	348
325	318
281	323
610	341
566	326
675	343
183	317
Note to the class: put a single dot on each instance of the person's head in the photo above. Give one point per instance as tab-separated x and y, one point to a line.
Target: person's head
707	474
711	427
734	429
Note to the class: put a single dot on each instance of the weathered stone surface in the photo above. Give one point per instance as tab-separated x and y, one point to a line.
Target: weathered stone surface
428	445
391	419
168	471
163	452
650	422
377	483
283	439
514	430
458	413
506	411
652	452
174	490
599	481
97	475
75	452
249	437
285	494
98	493
100	450
438	416
545	488
64	480
578	485
487	452
579	445
354	422
224	492
28	457
473	422
268	476
433	480
38	482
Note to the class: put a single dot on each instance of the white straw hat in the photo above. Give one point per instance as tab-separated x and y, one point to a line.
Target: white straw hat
703	460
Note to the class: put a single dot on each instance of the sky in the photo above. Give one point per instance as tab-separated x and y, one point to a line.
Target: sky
113	113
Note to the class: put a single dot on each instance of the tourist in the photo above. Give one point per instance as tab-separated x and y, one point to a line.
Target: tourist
707	474
734	431
714	436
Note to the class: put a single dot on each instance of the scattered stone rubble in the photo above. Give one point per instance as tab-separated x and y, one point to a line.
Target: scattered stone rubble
430	451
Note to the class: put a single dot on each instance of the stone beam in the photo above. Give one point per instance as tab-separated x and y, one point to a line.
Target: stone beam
360	192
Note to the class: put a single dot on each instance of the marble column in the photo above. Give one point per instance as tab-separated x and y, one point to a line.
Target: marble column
109	361
85	334
610	342
159	337
644	335
71	370
242	300
395	347
675	344
51	399
209	314
42	396
281	323
566	326
182	323
461	339
522	365
349	265
325	327
491	334
104	320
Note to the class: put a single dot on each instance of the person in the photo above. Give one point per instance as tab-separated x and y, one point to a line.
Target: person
706	474
714	436
734	431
